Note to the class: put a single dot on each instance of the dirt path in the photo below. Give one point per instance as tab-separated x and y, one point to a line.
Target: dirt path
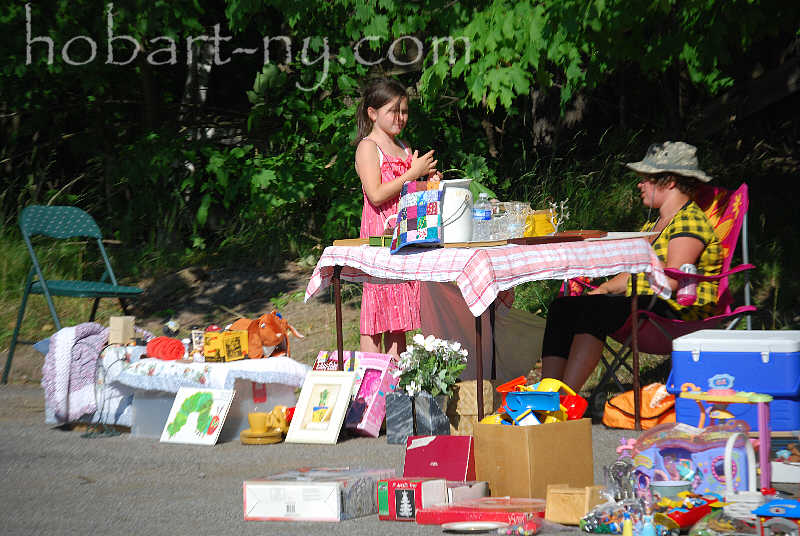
200	296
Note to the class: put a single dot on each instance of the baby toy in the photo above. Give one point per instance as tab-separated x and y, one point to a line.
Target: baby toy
675	451
687	511
266	334
779	516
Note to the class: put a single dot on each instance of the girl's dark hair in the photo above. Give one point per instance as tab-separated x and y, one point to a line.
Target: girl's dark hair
377	93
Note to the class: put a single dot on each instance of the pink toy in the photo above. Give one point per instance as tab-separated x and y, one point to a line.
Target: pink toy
374	378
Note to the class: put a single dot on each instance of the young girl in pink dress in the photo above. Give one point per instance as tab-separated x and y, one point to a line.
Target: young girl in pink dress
384	164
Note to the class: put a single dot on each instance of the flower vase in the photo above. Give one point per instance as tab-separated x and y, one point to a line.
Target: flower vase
430	415
399	417
421	414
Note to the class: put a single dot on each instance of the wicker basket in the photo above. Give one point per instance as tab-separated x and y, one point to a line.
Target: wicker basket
462	408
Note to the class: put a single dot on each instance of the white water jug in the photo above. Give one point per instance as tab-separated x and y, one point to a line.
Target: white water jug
456	211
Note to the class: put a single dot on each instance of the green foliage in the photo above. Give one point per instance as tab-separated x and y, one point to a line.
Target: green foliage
263	168
431	365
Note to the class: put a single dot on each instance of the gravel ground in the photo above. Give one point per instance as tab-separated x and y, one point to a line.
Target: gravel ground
58	482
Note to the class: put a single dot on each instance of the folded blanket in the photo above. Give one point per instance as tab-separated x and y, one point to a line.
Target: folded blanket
68	374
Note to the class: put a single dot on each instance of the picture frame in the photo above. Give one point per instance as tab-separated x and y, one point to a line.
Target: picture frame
197	416
320	409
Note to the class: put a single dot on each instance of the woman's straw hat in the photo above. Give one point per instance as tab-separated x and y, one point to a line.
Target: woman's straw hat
670	157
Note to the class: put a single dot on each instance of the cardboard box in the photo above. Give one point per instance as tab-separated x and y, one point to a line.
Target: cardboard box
521	461
400	498
785	472
458	492
448	457
462	409
325	494
567	505
503	509
121	329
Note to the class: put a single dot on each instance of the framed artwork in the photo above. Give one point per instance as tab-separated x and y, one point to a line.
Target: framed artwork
197	416
321	407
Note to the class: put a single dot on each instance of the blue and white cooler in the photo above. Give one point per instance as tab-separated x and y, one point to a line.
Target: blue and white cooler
753	361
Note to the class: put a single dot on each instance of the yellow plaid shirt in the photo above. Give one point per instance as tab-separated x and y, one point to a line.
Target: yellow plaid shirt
689	221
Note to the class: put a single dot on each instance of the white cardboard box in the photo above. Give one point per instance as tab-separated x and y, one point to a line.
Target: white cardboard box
462	491
785	472
325	494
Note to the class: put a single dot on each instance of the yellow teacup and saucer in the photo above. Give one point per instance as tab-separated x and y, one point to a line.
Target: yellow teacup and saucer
259	432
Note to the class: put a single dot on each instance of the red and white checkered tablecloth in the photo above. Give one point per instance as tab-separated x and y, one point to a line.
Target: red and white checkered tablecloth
481	273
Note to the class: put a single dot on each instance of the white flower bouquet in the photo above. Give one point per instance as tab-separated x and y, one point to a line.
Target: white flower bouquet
431	365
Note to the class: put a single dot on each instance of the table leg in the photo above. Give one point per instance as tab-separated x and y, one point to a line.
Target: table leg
337	297
637	393
764	444
479	364
494	353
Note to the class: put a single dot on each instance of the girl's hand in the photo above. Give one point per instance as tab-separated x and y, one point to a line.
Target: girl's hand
435	176
421	166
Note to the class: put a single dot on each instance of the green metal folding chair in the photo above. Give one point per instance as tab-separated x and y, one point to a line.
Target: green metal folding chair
61	222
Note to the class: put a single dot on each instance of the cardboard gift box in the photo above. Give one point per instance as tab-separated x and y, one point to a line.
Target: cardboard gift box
324	494
448	457
400	498
521	461
513	511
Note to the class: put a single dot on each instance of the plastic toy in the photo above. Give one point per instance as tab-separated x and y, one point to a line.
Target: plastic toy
779	516
683	514
674	451
720	399
718	523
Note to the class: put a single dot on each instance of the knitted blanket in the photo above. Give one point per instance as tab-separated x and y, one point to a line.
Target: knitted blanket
68	374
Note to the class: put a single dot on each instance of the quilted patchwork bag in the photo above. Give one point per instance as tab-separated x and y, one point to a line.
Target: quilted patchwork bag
419	215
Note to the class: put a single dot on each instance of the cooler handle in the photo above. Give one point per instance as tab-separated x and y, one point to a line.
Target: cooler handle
671	384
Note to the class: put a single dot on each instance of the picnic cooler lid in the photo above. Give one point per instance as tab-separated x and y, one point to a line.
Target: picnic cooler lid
721	340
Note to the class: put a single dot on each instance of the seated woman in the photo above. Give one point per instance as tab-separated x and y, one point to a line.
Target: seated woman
577	326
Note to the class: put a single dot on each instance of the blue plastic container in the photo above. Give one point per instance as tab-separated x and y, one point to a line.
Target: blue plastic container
754	361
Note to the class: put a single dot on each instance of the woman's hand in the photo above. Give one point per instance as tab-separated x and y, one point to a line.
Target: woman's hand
602	289
421	166
616	285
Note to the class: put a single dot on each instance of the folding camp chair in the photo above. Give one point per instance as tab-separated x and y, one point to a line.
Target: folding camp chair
727	211
62	222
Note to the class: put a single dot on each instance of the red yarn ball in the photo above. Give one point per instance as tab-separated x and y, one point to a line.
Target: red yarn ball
165	348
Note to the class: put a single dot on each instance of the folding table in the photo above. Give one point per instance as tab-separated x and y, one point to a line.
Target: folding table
481	273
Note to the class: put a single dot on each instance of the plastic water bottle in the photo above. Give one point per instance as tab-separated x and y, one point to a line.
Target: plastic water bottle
687	288
482	219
